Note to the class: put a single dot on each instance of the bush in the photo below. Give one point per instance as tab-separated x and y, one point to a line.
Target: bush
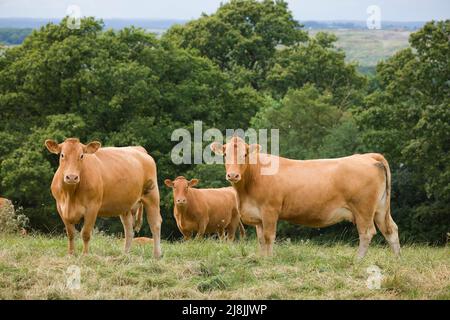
10	220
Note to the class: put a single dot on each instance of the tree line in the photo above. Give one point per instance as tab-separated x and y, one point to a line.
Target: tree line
249	64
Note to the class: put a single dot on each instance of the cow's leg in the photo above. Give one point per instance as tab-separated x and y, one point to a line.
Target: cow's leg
186	235
366	230
260	235
269	232
70	230
127	222
233	225
151	204
88	226
230	231
389	229
201	230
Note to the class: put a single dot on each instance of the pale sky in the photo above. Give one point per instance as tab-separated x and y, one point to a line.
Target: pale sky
398	10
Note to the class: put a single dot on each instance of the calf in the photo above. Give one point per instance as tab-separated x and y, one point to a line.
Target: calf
204	211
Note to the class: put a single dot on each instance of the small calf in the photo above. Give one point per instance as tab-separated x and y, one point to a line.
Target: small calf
204	211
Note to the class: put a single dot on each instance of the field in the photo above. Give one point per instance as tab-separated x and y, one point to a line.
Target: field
368	47
35	267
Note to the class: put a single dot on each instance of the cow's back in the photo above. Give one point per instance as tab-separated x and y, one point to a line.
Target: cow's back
306	191
220	204
125	173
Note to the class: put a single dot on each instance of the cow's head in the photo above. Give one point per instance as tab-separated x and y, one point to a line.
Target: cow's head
238	156
71	154
180	187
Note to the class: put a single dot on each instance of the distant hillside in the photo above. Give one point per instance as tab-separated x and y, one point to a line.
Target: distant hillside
151	24
367	47
348	24
13	36
163	24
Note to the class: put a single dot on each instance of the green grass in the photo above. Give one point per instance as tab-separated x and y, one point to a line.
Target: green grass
368	47
34	267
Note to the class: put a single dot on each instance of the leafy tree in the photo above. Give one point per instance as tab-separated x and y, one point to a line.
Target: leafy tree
241	33
407	117
309	124
316	62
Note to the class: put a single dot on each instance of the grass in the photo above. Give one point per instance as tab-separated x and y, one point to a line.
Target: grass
34	267
368	47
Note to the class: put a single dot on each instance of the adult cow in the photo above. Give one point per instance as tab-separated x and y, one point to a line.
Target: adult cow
315	193
204	211
96	182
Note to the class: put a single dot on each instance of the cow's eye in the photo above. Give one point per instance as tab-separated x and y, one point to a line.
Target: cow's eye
224	154
62	155
82	156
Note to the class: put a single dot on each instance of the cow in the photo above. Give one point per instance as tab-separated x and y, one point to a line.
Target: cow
92	182
204	211
314	193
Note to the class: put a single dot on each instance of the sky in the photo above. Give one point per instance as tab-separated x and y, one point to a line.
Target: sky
391	10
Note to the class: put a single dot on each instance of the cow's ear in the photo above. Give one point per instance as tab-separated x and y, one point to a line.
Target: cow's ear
193	182
254	148
92	147
168	183
53	146
217	148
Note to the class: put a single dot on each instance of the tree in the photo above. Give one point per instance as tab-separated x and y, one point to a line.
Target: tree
241	33
407	117
310	125
316	62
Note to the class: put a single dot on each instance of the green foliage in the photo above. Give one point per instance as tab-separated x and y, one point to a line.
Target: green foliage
316	62
241	33
310	125
12	36
407	117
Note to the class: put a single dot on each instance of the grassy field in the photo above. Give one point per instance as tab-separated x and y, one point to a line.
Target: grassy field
34	267
368	47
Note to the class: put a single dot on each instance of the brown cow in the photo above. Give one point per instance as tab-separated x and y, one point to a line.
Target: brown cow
204	211
105	182
315	193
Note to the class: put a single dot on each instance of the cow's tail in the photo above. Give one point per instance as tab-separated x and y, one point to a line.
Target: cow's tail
241	229
387	171
138	216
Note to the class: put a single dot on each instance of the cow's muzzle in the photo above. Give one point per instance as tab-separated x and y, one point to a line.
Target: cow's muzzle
233	177
71	179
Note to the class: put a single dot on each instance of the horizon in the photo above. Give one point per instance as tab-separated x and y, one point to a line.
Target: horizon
185	20
303	10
